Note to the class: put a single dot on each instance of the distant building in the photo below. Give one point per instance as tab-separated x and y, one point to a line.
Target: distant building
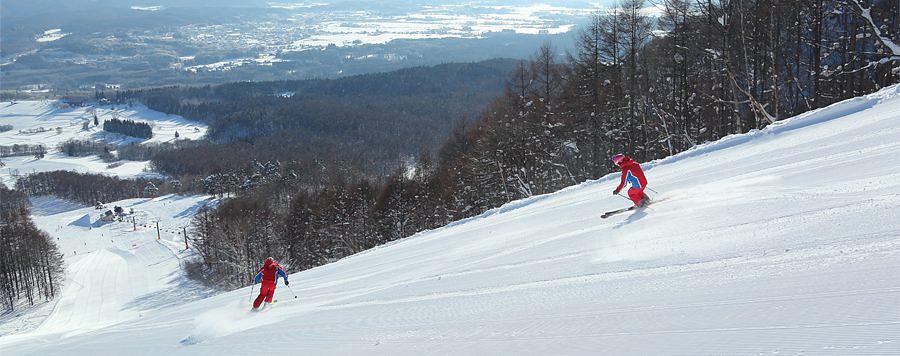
108	216
73	102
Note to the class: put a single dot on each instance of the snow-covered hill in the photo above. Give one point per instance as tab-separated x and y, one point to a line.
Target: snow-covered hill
781	241
51	122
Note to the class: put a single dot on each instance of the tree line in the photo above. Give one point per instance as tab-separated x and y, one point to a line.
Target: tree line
109	152
129	128
648	88
31	267
22	150
83	148
89	188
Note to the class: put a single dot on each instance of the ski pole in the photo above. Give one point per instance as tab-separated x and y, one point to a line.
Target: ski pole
651	189
623	197
292	290
251	292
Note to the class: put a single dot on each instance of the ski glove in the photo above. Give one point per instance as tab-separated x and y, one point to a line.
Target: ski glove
287	283
616	192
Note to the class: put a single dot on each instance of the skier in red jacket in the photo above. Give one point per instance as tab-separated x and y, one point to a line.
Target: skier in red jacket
633	174
268	274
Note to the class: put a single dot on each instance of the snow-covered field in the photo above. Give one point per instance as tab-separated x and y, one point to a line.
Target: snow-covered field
52	35
442	21
50	123
781	241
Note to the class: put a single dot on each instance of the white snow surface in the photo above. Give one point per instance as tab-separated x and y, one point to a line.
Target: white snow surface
51	35
51	122
780	241
114	272
438	21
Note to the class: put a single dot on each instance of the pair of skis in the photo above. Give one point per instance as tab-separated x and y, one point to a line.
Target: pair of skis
618	211
264	307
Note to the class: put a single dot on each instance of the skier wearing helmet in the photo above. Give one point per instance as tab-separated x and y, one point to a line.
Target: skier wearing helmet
268	274
633	174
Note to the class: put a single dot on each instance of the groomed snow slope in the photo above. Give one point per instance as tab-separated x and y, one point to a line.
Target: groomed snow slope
782	241
114	272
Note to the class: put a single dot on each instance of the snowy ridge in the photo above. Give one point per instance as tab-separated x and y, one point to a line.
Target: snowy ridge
781	241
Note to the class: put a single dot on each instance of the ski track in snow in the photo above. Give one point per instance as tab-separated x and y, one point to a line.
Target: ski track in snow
113	273
780	241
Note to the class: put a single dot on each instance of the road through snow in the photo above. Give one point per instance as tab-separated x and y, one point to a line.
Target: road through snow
780	241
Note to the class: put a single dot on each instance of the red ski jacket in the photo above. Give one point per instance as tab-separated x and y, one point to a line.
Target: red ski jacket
632	172
270	272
